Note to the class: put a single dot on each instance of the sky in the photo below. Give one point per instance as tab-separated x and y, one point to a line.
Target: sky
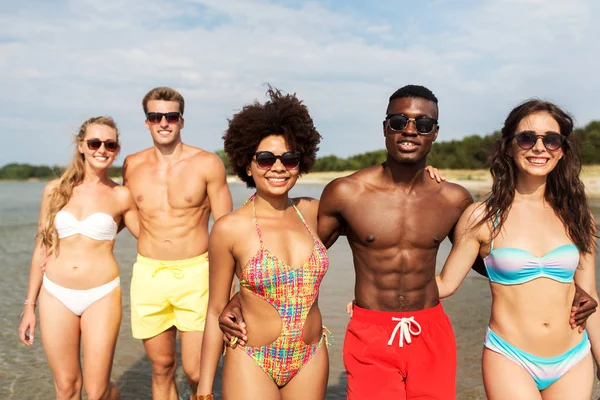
62	62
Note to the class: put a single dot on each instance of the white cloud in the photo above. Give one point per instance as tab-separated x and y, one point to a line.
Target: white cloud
64	62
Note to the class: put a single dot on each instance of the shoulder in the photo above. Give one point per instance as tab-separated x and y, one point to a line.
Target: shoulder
455	194
204	158
308	206
347	185
229	226
123	193
136	158
50	186
474	215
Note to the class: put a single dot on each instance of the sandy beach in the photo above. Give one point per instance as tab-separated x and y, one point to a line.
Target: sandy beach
478	181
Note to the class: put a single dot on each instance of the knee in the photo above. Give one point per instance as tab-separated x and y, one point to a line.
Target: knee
67	387
193	376
104	391
164	367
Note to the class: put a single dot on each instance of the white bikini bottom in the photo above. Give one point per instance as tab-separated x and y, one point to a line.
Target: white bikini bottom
79	300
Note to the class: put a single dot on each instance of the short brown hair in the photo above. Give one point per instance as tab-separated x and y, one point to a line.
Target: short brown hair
163	93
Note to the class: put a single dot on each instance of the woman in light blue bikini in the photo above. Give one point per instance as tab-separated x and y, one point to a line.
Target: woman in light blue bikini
80	302
537	236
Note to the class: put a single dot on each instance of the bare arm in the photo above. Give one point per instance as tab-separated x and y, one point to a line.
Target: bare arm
28	320
330	224
221	272
217	189
464	252
131	218
585	277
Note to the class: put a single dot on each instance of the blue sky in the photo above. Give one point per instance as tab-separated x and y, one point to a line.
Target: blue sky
62	62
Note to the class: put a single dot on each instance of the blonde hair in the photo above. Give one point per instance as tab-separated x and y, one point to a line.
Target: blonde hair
163	93
71	177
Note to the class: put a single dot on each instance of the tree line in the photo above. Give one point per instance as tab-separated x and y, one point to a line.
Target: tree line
470	152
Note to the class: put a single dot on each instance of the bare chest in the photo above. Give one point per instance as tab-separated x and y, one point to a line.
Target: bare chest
167	188
400	221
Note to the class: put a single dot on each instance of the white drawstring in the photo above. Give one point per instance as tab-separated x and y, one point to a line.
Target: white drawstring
404	325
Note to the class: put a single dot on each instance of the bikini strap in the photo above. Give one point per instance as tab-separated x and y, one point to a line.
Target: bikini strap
495	225
302	218
253	200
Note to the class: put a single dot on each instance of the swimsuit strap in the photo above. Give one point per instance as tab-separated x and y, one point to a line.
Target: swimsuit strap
495	225
253	200
302	218
258	232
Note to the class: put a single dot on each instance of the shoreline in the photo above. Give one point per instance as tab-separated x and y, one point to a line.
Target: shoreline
478	182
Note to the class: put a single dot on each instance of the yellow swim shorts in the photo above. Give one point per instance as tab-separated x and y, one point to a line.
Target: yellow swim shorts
168	293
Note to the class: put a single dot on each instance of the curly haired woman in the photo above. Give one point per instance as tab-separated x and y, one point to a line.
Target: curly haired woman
270	243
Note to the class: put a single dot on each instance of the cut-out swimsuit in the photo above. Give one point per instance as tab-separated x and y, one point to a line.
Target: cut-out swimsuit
292	292
513	266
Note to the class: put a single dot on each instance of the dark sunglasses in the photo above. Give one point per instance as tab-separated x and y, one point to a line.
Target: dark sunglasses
552	141
156	117
266	159
109	145
399	122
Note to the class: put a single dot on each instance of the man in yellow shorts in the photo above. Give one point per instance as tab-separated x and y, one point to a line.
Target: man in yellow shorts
175	187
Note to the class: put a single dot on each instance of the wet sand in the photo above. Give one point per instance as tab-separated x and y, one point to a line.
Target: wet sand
24	372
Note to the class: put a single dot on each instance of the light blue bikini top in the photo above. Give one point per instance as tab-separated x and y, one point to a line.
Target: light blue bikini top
512	266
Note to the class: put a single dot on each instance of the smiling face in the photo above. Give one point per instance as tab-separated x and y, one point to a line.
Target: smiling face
408	146
276	180
100	158
163	132
537	161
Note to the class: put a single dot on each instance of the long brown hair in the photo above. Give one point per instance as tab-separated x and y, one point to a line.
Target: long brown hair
564	190
71	177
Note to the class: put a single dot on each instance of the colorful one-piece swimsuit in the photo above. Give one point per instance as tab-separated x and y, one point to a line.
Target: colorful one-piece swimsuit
292	292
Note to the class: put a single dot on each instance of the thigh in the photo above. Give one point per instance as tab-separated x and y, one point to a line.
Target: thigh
576	384
432	358
310	383
191	347
243	379
151	312
100	325
60	332
370	367
190	301
505	379
161	348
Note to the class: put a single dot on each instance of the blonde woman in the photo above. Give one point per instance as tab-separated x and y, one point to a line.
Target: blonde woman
79	293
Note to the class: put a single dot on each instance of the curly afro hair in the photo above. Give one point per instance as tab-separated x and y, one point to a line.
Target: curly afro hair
282	115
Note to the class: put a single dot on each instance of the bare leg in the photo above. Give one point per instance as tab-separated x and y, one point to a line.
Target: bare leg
60	336
243	379
161	352
311	382
191	347
99	330
577	384
505	379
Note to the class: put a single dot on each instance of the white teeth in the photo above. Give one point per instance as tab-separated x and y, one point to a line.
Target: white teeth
537	161
278	180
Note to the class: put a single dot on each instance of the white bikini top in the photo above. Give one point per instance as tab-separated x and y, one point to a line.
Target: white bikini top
98	226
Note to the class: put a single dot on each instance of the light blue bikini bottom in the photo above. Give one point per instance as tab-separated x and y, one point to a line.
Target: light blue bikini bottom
544	370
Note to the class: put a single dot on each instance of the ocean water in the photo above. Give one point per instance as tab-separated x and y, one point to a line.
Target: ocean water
24	372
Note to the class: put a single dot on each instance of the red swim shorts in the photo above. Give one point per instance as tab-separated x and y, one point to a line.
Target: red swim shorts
400	355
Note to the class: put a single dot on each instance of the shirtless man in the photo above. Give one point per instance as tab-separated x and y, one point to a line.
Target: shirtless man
399	342
175	187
